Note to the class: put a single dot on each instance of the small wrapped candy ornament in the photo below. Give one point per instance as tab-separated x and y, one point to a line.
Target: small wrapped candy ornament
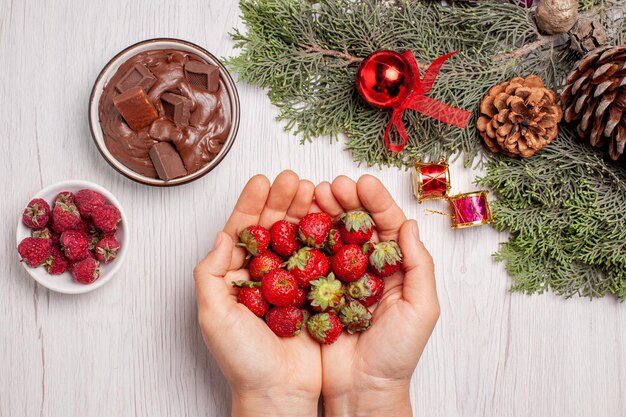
431	181
470	209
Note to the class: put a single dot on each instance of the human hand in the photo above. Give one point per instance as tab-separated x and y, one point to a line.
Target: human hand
268	375
368	374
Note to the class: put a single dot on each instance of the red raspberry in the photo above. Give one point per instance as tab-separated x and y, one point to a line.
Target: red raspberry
36	214
75	245
56	264
279	287
284	237
64	197
48	234
106	249
65	217
285	321
86	271
106	218
34	250
262	264
87	200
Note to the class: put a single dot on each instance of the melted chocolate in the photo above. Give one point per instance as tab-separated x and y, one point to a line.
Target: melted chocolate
197	143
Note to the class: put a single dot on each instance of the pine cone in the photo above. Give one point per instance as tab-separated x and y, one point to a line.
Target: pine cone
587	35
519	117
595	98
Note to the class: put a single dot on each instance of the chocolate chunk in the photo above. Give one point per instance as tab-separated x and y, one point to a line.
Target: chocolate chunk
176	108
138	75
167	161
135	108
202	75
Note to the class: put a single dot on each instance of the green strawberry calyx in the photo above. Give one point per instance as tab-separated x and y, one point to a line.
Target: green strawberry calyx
249	284
318	325
300	259
385	253
356	317
355	221
326	292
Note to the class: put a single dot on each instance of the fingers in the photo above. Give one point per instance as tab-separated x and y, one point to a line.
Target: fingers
387	216
281	195
249	206
326	201
344	191
209	273
301	203
419	287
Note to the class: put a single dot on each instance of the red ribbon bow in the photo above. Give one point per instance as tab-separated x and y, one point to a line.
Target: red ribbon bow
416	100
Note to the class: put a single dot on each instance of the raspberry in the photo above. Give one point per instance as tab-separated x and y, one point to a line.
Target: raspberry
106	249
86	271
36	214
34	250
87	200
75	245
106	218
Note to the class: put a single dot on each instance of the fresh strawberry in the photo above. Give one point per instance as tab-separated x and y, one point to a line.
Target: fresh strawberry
301	298
324	327
65	197
385	258
356	227
334	241
251	296
356	317
306	265
106	218
284	237
75	245
48	234
106	249
349	263
65	217
262	264
36	214
368	289
314	228
255	239
326	293
34	250
284	321
56	264
87	200
279	287
86	271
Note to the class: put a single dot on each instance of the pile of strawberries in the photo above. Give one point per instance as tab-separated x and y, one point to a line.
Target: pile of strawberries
320	273
76	234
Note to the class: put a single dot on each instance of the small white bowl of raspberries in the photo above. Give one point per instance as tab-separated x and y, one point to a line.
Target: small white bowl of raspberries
72	236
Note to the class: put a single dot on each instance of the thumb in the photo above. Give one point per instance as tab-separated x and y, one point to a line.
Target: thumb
209	273
419	287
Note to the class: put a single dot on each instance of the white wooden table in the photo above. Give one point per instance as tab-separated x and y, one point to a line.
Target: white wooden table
133	347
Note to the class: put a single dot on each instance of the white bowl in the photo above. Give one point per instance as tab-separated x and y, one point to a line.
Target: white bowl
65	283
109	70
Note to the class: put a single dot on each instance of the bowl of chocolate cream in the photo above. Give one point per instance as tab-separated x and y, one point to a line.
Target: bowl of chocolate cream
164	112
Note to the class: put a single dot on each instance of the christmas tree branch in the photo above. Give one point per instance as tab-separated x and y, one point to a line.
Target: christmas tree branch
530	47
345	56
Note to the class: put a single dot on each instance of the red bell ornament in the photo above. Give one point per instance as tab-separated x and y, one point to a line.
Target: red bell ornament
384	79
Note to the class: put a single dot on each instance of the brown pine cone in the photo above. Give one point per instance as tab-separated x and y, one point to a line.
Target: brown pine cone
519	117
595	98
587	34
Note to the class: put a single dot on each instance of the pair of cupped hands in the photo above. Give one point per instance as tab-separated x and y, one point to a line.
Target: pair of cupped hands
362	374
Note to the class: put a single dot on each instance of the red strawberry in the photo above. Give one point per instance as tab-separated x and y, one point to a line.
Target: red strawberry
36	215
356	227
64	197
284	237
87	200
262	264
314	228
334	241
65	217
279	287
251	296
324	327
349	263
356	317
48	234
56	264
285	321
106	218
34	250
75	245
86	271
106	249
300	300
385	258
326	293
306	265
255	239
368	289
